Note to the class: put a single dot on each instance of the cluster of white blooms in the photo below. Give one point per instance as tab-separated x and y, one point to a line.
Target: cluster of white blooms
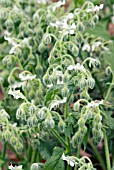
43	1
15	168
57	102
94	104
77	67
16	94
95	9
26	76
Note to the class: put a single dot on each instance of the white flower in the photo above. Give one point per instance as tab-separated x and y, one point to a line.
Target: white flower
42	1
10	40
95	45
77	67
86	47
95	9
70	160
57	102
50	85
16	94
15	168
58	4
26	76
17	85
70	16
94	104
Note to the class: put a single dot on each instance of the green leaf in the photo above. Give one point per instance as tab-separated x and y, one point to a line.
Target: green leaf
110	57
100	30
55	163
109	120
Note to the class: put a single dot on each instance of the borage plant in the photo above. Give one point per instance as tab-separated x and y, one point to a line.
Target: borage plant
55	70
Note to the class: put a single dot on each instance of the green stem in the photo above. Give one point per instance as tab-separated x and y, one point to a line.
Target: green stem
20	157
29	152
109	89
107	152
34	154
4	154
67	124
97	154
78	151
59	138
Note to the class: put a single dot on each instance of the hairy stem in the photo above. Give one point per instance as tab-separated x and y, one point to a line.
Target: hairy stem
97	154
107	152
59	138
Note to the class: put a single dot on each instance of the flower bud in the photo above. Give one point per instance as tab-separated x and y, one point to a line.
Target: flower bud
75	50
91	83
32	94
22	27
81	122
76	106
3	14
41	114
39	70
65	91
95	18
7	135
47	39
19	147
13	140
82	83
82	131
97	118
61	126
51	59
34	166
66	77
9	25
108	71
76	140
41	48
49	122
80	26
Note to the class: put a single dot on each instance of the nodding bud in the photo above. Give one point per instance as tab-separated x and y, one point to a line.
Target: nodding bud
19	147
80	26
76	106
46	79
95	18
9	25
108	71
13	140
35	166
49	122
65	91
66	77
51	59
61	125
76	139
97	118
41	114
7	135
82	83
91	83
81	122
47	39
41	47
75	50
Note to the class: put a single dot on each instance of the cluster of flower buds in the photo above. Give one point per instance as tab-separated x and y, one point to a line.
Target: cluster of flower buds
89	112
81	163
36	166
9	132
